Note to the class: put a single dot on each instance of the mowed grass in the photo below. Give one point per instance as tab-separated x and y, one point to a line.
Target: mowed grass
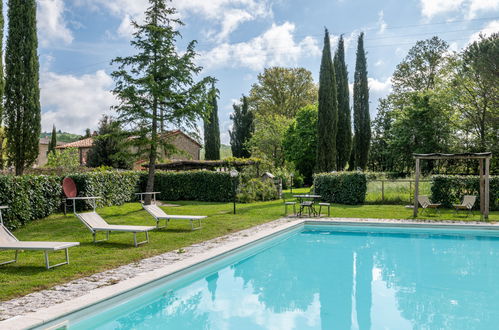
29	274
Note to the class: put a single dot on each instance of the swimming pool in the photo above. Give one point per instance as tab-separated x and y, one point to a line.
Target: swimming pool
329	277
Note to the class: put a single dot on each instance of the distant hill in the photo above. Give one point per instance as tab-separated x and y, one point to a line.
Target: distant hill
62	136
225	151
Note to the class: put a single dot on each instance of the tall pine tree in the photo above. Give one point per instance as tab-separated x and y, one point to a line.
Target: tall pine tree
212	130
156	85
361	117
242	129
22	92
344	135
327	122
53	140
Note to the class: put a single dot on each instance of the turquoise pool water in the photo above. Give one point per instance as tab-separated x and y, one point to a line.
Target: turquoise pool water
328	277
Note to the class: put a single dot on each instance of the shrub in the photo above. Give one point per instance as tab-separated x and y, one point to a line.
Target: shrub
29	197
66	159
192	185
257	190
449	189
341	187
115	187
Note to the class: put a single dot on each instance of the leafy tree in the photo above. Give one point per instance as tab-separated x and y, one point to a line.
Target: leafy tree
242	129
300	141
380	156
53	140
156	85
422	127
267	142
22	93
109	146
477	82
362	120
283	91
344	135
212	131
420	68
67	159
327	120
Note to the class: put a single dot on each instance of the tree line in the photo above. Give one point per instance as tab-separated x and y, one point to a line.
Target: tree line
300	127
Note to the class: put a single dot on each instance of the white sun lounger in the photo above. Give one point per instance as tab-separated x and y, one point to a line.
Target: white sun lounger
159	214
95	223
9	242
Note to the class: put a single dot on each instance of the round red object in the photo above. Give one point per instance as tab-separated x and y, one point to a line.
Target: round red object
69	187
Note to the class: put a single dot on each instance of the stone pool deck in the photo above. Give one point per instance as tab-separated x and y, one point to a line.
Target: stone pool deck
38	307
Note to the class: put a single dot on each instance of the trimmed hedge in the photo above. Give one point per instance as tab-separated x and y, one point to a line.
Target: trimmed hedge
341	187
29	197
449	189
115	187
206	186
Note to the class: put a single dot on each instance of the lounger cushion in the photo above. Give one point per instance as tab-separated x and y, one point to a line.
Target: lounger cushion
32	245
158	213
96	222
134	229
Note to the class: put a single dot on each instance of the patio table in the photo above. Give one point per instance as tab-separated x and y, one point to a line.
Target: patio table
307	201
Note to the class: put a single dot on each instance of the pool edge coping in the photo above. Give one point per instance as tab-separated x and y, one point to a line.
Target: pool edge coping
96	296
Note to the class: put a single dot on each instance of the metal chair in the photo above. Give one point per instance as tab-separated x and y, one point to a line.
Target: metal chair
328	205
286	203
466	205
425	203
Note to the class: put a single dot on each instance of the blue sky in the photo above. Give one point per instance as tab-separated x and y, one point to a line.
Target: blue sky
237	39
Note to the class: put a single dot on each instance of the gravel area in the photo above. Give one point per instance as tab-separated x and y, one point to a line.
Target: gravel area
68	291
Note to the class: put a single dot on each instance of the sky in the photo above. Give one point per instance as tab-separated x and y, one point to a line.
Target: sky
237	39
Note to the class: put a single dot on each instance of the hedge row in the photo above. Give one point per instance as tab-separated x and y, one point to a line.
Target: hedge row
450	189
28	197
206	186
115	187
341	187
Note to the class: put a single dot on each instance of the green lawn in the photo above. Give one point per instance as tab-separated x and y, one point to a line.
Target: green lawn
29	274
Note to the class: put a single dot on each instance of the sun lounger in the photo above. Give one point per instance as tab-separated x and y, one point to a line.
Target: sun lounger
9	242
426	204
95	223
159	214
467	204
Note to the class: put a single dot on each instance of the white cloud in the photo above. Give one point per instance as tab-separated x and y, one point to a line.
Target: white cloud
469	8
379	86
74	103
226	15
476	6
379	63
276	46
431	8
381	22
51	23
490	28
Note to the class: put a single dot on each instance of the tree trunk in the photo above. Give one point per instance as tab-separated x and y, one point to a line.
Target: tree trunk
152	154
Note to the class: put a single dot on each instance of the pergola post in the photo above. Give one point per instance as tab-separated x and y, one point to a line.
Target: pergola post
416	189
486	190
482	186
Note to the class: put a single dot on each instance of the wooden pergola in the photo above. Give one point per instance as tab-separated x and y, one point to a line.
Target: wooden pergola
484	160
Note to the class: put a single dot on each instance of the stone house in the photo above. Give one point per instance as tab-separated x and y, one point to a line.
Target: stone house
188	147
43	150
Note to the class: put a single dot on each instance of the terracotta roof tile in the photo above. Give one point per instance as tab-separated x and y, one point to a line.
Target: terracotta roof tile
85	143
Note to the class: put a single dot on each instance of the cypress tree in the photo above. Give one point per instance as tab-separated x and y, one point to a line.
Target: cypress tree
2	85
344	135
212	131
362	121
242	129
53	140
22	93
327	122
